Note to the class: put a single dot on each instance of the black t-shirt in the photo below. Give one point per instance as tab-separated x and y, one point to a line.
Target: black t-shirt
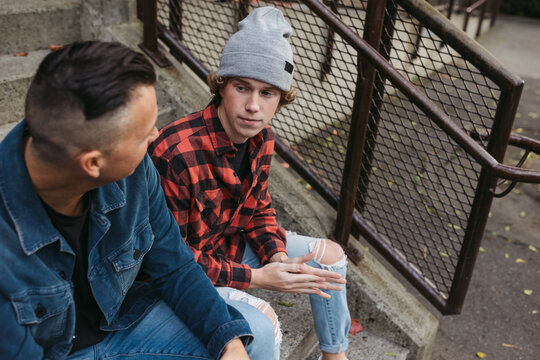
241	163
88	314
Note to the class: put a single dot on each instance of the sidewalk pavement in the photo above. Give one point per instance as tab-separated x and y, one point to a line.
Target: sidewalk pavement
499	317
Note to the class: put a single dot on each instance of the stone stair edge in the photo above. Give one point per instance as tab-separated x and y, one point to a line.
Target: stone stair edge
11	7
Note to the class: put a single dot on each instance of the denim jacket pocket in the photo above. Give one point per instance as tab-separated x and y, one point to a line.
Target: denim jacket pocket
46	310
127	260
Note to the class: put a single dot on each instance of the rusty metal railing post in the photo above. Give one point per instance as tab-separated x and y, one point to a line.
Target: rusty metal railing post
243	9
150	34
359	127
387	34
175	18
495	12
502	127
326	65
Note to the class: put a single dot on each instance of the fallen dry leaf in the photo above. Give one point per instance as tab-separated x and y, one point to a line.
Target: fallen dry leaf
512	346
285	165
527	292
480	355
284	303
56	47
19	54
520	261
356	327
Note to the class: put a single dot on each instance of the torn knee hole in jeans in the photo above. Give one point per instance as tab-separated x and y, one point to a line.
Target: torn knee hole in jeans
327	253
263	307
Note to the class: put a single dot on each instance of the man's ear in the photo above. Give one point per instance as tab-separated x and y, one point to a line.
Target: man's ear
91	162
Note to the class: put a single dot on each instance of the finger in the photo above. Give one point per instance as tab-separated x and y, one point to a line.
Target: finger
314	291
301	259
329	275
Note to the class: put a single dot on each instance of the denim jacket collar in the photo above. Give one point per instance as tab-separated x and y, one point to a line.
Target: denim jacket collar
22	202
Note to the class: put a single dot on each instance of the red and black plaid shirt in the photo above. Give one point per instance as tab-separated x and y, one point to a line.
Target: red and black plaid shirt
215	211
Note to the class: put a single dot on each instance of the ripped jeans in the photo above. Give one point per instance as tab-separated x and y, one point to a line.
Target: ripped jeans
331	317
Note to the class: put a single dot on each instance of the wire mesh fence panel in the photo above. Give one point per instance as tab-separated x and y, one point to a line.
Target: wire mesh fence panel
419	185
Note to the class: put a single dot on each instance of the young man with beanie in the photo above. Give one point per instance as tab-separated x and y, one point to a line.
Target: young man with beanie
81	212
214	167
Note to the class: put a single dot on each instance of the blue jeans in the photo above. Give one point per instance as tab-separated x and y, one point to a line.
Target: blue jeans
159	335
331	317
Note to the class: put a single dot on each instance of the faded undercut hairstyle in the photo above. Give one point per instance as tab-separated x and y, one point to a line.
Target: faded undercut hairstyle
78	99
216	83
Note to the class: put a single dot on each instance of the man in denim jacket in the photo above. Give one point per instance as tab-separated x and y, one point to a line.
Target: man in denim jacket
82	211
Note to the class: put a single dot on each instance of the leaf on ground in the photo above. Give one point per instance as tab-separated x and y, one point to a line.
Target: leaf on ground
443	254
308	187
533	115
56	47
481	355
533	248
482	250
356	327
528	291
391	354
507	228
520	261
284	303
512	346
534	312
453	226
285	165
19	54
506	256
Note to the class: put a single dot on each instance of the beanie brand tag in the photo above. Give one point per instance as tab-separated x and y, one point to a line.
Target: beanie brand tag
289	67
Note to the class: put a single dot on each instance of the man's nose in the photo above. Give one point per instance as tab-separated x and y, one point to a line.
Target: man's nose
252	104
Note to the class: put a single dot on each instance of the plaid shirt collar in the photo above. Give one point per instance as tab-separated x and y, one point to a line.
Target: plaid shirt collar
220	140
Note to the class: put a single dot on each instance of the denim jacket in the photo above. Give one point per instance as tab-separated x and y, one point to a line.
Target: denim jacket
130	228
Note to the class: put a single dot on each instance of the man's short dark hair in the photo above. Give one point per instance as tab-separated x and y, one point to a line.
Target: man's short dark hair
77	96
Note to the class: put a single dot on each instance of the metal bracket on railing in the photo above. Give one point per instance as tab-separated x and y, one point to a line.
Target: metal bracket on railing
150	34
526	143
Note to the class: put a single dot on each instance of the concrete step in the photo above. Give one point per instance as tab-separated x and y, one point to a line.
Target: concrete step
28	25
16	74
299	338
369	345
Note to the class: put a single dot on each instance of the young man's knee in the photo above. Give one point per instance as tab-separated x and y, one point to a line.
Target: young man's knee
328	252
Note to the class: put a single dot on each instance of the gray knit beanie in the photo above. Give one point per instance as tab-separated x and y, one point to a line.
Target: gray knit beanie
259	49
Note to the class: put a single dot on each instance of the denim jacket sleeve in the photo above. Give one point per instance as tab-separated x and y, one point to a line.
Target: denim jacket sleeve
181	281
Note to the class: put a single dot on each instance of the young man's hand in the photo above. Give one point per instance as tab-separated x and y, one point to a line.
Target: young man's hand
234	350
294	276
